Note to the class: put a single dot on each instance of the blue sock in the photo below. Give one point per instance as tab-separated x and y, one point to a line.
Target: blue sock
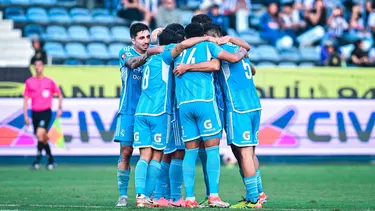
188	168
203	157
251	189
140	176
162	184
259	182
213	168
175	174
153	173
123	181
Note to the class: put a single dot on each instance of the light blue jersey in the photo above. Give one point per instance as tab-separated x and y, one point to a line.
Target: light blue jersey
131	82
196	86
238	84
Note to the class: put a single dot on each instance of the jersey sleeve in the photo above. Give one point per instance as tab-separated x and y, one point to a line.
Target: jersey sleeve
55	88
125	54
214	49
26	91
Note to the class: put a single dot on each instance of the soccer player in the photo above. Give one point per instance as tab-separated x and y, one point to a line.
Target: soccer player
199	114
41	89
132	59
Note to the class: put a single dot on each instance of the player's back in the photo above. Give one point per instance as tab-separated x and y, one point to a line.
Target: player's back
196	86
156	88
131	82
238	84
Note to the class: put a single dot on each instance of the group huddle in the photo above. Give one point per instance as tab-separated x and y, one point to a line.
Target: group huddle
176	100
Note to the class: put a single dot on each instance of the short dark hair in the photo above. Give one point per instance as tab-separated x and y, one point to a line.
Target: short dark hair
212	29
194	30
167	37
137	27
179	31
201	19
35	60
175	27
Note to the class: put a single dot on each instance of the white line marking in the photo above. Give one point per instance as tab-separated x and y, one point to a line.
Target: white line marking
54	206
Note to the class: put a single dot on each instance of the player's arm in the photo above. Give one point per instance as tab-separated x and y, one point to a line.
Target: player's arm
135	62
232	58
155	50
189	43
235	41
57	91
25	108
253	70
209	66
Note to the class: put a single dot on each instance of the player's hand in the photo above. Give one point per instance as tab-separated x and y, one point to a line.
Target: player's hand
155	34
27	120
224	40
59	113
180	70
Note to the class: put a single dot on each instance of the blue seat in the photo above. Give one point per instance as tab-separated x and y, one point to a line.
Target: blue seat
113	62
56	33
55	50
33	30
266	64
76	50
309	54
72	62
287	64
120	33
15	13
254	55
37	14
268	53
306	64
94	62
102	16
114	49
252	39
4	1
67	3
100	33
80	15
79	33
291	55
23	2
232	32
98	51
99	12
44	2
59	15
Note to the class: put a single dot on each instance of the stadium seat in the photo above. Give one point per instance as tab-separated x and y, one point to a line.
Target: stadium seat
37	14
72	62
80	15
254	55
113	62
310	54
306	64
114	49
56	33
67	3
43	2
79	33
102	16
94	62
186	16
55	50
33	30
59	15
100	12
100	33
266	64
76	50
23	2
15	13
287	64
120	33
98	51
268	53
4	1
232	32
291	55
252	39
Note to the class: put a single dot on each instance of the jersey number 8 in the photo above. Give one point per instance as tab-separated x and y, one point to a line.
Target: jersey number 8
146	75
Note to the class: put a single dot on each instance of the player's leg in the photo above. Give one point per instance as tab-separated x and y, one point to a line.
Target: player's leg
210	128
124	136
46	118
203	157
176	178
162	189
190	135
40	145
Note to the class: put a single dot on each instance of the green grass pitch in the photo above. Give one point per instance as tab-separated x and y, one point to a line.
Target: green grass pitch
289	187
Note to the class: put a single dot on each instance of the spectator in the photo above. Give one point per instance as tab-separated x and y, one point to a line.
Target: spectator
207	4
219	19
133	10
317	16
40	54
242	15
230	8
168	14
337	25
329	55
357	29
360	57
291	20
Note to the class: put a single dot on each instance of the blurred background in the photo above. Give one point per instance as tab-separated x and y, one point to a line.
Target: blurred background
310	113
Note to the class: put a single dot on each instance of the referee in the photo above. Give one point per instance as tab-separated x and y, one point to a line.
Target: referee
41	89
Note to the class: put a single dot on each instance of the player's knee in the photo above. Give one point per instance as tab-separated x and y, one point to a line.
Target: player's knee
212	142
167	158
146	153
179	154
41	135
126	153
157	155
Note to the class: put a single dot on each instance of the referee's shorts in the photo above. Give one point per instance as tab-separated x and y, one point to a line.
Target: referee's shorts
41	119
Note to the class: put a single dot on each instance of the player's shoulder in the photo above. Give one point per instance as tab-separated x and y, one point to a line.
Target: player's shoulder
169	46
30	80
126	51
230	47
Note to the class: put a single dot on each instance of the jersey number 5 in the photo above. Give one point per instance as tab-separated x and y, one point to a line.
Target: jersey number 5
247	68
